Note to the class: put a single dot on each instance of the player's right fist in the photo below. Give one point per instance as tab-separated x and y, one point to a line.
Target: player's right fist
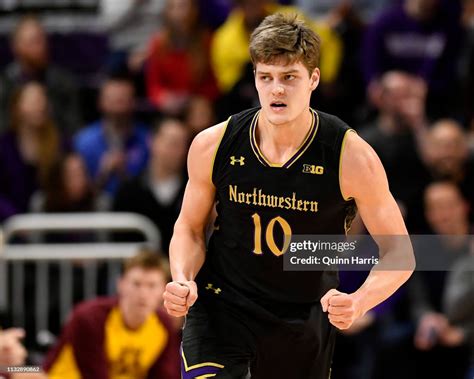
179	297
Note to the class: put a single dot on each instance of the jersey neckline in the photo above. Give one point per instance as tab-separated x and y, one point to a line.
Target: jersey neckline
298	153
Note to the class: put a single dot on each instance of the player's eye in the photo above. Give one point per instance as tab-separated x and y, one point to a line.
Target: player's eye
289	77
265	78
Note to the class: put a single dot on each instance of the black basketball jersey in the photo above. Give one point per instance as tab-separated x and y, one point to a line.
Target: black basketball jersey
260	205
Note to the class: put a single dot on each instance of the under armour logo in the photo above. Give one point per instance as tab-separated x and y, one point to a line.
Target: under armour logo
217	291
234	160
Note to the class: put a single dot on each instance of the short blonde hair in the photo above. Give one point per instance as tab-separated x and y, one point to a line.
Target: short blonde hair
148	259
287	38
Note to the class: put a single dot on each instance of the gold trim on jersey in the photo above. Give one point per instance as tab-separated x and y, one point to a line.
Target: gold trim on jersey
304	148
340	161
217	147
299	152
199	365
259	157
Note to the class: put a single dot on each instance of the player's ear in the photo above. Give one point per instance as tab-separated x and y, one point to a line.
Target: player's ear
315	78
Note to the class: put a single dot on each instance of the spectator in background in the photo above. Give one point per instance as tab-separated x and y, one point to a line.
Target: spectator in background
129	25
440	349
12	353
158	193
355	350
129	336
345	95
68	188
28	149
398	136
215	12
30	48
323	9
421	37
114	147
231	58
448	158
199	114
467	68
178	66
458	304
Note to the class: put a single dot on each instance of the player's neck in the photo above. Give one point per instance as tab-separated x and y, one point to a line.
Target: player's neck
279	142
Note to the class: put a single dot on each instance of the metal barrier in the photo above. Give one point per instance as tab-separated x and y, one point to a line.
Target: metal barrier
44	254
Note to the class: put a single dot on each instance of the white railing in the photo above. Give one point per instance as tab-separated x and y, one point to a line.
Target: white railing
97	221
43	254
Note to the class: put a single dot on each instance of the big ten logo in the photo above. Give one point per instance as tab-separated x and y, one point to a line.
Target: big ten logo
312	169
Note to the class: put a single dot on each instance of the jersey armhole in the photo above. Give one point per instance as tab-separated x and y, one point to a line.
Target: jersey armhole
217	149
343	144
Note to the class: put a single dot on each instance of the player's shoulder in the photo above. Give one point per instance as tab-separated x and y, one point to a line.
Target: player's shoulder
207	140
203	150
331	129
360	159
206	144
328	119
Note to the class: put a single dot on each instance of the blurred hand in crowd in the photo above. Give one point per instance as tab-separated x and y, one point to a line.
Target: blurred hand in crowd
430	327
400	97
412	104
113	161
12	351
451	336
174	102
435	329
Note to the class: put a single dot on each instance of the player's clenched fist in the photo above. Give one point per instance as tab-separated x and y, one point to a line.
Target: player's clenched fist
179	297
343	309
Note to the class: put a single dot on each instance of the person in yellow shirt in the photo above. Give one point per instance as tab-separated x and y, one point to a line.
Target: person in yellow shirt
127	337
229	49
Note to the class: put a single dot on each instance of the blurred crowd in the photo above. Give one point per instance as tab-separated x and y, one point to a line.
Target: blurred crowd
100	99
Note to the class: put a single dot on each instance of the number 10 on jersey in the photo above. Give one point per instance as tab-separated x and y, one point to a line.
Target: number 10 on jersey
269	235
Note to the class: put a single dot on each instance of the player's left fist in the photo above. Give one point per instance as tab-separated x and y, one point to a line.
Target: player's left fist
342	308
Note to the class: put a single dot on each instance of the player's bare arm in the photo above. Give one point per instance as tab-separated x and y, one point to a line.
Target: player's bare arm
187	247
363	178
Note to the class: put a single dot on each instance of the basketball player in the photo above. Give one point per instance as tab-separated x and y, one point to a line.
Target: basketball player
282	167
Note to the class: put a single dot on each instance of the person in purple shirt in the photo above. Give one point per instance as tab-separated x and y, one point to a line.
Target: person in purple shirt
114	147
28	149
420	37
32	62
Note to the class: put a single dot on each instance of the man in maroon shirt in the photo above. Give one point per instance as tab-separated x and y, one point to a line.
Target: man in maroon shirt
126	337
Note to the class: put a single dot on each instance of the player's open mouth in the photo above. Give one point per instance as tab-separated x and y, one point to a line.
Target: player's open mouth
278	105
